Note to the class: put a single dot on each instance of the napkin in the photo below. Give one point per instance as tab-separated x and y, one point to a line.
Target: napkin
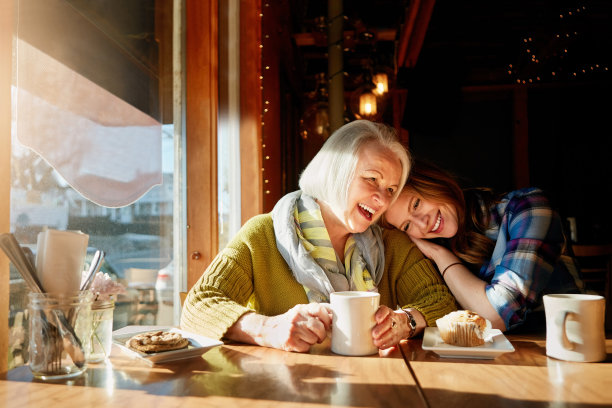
60	260
490	333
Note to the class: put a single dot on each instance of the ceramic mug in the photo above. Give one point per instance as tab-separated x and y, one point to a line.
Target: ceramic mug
575	327
352	322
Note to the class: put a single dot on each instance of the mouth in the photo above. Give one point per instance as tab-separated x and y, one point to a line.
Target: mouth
366	211
438	225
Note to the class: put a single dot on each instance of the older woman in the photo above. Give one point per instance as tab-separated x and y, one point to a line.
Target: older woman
271	284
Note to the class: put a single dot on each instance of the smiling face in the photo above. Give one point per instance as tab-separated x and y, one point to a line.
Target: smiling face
422	218
377	176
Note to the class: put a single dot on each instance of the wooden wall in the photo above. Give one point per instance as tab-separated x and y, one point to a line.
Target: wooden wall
251	104
201	87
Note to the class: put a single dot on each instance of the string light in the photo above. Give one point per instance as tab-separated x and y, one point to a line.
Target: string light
556	57
265	110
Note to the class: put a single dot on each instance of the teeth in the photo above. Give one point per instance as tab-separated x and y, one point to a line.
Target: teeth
437	225
368	209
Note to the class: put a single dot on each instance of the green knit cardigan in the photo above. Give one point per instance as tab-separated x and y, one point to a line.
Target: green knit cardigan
250	274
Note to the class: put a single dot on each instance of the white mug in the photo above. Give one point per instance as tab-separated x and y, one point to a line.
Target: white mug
352	322
575	327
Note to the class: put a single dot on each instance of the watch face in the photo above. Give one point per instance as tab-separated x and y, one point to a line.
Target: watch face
412	322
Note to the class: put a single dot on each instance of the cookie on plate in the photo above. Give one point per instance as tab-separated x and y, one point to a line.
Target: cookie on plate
156	341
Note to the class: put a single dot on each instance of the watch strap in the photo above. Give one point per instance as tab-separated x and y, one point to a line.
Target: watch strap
411	323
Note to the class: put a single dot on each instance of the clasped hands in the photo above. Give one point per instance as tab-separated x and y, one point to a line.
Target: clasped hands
307	324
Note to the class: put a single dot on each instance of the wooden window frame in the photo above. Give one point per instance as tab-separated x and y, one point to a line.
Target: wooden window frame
6	52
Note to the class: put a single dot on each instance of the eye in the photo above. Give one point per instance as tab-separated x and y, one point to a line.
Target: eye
406	227
391	190
416	203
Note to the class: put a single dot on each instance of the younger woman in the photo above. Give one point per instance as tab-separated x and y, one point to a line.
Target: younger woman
498	254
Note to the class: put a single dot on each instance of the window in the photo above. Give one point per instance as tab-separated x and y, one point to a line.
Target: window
119	51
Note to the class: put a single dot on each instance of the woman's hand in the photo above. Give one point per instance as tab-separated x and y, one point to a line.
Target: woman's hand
391	327
298	328
440	255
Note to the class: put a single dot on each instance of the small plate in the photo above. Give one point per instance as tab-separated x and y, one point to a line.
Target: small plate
490	350
198	345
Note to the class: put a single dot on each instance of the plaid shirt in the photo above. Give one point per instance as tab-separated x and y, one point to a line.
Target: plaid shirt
527	261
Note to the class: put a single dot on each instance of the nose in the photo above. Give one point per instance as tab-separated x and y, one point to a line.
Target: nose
419	221
382	198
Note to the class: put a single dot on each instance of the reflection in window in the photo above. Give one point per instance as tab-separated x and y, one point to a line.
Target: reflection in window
106	76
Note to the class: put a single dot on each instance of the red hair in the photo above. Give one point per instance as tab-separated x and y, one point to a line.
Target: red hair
435	184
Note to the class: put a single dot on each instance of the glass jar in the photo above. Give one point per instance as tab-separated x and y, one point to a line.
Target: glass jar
101	330
60	326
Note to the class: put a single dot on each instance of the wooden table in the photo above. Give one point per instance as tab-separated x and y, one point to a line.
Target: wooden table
237	375
523	378
228	376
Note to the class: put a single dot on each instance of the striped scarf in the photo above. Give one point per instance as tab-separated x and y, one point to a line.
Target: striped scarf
311	231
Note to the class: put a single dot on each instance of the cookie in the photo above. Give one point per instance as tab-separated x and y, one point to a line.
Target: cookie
156	341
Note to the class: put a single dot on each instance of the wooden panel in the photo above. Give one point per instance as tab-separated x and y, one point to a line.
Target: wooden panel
6	25
251	189
201	128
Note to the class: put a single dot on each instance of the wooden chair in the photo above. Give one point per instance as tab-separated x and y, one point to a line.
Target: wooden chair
596	265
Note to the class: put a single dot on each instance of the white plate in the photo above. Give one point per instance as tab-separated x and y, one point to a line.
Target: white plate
198	345
432	341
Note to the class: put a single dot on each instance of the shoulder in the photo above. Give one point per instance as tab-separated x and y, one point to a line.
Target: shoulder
526	199
392	236
257	229
258	222
399	246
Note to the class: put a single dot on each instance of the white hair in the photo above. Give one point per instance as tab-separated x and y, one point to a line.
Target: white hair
329	174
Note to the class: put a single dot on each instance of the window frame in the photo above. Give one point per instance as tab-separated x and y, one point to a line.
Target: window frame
6	52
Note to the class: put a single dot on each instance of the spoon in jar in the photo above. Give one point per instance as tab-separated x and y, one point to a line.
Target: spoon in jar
71	341
94	268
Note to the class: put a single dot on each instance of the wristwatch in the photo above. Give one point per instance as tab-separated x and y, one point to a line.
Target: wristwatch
411	323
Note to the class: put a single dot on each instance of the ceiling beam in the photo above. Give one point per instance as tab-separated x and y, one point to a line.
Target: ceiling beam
412	34
320	39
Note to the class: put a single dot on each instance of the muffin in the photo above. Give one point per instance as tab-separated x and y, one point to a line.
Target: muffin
463	328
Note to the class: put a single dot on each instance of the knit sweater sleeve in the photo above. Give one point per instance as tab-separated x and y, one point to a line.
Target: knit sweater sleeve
413	279
221	295
249	275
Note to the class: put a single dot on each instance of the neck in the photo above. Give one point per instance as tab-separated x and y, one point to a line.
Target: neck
337	231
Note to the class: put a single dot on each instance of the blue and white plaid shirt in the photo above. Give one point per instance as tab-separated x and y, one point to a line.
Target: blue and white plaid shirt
527	261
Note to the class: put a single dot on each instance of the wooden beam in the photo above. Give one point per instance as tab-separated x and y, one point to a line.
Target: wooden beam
201	132
251	189
320	40
271	142
413	32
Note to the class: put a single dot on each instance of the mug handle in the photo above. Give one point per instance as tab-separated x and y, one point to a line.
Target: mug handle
564	340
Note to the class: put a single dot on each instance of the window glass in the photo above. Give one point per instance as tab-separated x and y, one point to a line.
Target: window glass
137	238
